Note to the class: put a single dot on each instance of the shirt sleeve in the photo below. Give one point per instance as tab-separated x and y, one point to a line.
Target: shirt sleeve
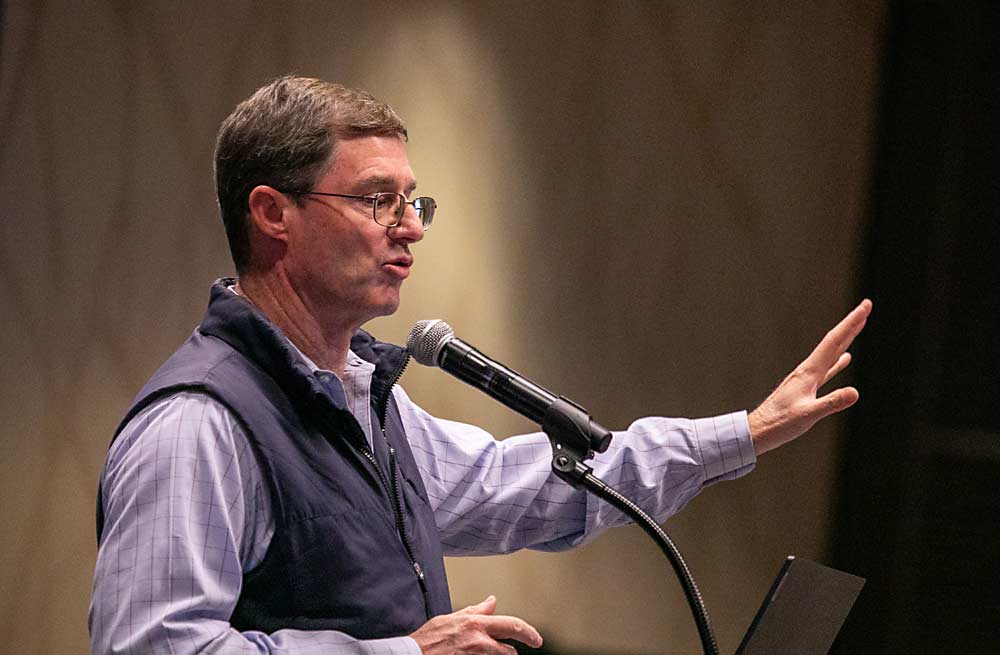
492	496
186	514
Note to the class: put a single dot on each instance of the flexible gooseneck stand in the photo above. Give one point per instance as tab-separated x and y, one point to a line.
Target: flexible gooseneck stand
575	437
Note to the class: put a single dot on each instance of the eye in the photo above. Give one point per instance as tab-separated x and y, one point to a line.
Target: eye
385	201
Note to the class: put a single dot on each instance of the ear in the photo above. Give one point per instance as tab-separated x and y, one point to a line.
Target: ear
268	212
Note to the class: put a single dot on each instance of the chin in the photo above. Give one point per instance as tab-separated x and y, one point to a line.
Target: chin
385	308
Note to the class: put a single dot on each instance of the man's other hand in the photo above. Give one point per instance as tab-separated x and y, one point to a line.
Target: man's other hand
793	407
474	631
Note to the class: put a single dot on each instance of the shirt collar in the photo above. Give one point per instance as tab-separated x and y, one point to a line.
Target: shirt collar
352	357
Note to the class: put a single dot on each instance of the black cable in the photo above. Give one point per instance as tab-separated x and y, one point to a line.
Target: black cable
596	486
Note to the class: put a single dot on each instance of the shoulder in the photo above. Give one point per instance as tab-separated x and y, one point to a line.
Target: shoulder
185	458
188	446
186	425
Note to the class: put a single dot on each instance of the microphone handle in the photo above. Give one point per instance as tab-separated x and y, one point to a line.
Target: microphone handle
513	390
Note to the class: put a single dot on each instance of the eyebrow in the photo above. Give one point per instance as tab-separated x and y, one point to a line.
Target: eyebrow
382	181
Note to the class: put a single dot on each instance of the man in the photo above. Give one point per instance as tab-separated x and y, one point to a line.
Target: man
273	490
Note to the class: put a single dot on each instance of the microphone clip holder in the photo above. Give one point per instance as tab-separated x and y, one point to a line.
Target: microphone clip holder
575	437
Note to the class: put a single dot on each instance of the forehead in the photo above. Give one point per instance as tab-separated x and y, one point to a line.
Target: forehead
377	161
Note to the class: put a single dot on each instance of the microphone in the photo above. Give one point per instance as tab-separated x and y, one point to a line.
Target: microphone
433	343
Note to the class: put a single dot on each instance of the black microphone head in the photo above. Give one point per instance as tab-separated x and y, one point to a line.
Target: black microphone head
426	340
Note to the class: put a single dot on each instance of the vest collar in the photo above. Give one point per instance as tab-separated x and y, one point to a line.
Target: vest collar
235	320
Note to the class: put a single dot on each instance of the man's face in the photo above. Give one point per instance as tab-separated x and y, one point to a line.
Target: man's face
345	266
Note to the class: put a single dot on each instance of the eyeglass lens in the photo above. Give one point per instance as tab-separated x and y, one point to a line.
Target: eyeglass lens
389	209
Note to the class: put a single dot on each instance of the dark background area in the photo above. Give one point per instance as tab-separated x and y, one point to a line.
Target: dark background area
920	497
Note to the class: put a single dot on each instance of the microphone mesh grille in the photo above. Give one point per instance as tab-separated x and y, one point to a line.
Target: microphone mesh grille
426	340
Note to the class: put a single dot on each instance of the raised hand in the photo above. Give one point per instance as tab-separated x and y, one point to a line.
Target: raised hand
794	407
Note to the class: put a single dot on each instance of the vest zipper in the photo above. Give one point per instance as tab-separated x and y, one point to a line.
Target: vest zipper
397	506
401	527
394	491
383	402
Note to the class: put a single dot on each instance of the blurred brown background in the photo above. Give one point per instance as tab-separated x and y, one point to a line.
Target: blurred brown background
650	207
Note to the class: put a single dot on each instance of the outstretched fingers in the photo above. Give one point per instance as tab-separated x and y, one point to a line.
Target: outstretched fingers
826	356
794	406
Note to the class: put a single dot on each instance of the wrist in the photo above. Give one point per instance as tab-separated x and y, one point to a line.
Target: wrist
760	429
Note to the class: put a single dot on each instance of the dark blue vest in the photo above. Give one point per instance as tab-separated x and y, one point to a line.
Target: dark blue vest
355	547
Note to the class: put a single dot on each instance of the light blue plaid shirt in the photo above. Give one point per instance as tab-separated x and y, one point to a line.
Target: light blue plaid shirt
187	512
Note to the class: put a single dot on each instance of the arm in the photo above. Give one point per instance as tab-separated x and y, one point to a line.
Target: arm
493	496
186	515
661	462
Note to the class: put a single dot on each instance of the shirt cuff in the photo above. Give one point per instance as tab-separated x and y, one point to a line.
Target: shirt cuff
726	449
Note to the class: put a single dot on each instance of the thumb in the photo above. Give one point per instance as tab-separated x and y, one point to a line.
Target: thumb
486	606
838	400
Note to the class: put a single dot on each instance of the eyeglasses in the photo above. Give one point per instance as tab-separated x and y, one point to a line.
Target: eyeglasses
387	207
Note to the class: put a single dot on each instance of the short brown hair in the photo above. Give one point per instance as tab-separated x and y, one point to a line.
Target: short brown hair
283	136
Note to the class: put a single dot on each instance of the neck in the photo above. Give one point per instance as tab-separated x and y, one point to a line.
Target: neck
326	343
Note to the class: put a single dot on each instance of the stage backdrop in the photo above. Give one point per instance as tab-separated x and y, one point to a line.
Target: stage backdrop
649	207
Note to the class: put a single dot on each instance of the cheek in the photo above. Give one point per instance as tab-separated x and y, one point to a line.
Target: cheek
341	252
333	246
306	237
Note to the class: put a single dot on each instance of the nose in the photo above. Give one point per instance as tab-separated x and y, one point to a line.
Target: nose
410	228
